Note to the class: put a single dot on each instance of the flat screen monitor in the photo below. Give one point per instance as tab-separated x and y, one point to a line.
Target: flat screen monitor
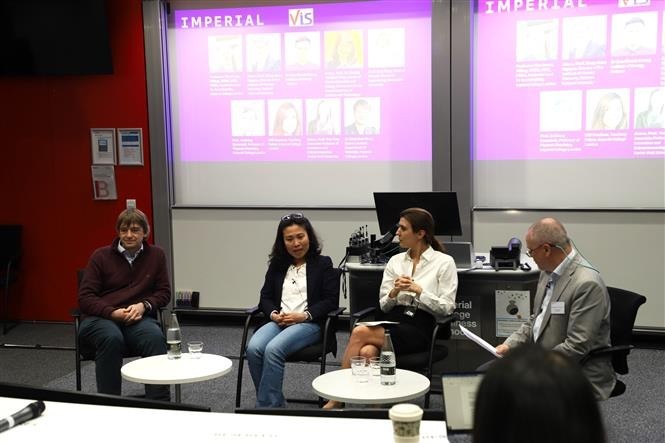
54	37
442	206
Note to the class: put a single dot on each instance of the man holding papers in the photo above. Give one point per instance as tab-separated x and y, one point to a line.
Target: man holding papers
571	306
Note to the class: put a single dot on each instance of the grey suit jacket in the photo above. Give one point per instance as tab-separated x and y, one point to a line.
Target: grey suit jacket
584	325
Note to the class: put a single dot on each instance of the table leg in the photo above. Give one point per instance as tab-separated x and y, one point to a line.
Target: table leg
177	394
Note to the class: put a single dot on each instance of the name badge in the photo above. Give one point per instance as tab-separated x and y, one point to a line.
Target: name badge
558	307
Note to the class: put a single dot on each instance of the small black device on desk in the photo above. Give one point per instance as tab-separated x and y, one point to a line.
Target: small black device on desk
506	257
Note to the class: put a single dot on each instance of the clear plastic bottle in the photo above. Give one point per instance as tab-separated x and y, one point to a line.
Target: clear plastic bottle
174	338
388	361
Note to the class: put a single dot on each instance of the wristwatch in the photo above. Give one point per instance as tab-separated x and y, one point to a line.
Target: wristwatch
147	305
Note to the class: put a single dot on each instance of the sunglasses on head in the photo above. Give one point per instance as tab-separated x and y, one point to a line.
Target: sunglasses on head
293	216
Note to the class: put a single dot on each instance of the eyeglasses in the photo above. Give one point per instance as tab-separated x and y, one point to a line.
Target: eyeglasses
293	216
529	252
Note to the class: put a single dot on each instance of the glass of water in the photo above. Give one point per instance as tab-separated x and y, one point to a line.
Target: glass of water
359	369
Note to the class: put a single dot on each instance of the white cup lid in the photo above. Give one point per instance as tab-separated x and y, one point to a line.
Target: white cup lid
405	412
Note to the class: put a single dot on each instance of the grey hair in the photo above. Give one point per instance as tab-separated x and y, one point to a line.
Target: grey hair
549	230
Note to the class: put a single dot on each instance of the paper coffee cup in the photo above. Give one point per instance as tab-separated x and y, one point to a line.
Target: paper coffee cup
406	422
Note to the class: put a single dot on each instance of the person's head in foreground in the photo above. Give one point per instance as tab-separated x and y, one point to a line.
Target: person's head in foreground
536	395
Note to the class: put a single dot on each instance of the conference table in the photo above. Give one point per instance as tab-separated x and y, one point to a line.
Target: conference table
341	386
160	370
66	421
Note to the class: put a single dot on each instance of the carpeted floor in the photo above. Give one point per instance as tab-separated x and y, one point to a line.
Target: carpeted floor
636	416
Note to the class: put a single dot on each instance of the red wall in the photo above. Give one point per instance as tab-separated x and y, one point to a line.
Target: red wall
45	158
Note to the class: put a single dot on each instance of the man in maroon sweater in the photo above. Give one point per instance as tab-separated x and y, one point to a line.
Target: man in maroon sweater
122	289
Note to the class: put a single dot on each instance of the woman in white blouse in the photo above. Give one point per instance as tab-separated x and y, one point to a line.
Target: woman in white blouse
418	286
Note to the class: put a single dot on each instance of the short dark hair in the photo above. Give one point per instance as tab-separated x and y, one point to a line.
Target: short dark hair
132	216
534	394
279	257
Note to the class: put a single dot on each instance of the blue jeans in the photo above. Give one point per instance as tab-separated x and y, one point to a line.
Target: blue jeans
112	341
266	353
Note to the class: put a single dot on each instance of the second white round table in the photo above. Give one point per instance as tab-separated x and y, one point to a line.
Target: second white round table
340	386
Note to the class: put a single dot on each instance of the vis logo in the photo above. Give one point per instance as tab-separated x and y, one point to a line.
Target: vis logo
301	17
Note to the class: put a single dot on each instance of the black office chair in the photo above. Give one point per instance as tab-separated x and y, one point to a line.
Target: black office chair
624	307
84	351
10	255
316	353
420	361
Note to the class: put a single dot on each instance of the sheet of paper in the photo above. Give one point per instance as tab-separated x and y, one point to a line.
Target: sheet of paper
377	323
482	343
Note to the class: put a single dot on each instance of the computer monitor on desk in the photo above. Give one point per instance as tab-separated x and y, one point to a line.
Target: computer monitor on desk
442	205
461	252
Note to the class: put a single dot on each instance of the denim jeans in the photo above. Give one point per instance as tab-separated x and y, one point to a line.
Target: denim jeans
112	341
266	353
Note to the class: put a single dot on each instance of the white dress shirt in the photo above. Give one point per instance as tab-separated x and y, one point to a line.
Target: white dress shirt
435	273
549	290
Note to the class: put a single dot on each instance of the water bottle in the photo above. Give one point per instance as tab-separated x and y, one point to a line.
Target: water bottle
388	361
174	338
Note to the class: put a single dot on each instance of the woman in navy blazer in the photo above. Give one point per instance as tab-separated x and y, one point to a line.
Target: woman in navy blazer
299	290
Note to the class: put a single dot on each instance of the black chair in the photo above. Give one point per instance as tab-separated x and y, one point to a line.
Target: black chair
420	361
316	353
10	255
624	306
84	351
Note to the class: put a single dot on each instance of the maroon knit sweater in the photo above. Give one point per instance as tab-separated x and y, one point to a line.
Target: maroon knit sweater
109	282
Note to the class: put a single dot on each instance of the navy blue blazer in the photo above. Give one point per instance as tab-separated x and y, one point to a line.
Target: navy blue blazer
322	289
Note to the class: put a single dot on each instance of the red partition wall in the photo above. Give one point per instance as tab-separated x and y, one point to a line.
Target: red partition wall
45	158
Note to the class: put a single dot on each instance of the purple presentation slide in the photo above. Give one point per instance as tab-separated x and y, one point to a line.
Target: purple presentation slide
569	79
318	82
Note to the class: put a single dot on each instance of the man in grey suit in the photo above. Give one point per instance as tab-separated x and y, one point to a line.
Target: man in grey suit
571	306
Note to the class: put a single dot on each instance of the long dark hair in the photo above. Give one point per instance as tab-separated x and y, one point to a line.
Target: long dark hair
279	257
534	394
422	219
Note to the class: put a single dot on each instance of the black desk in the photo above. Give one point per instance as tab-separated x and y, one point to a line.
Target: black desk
476	304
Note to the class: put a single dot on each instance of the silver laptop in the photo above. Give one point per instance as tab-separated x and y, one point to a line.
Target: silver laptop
461	252
459	399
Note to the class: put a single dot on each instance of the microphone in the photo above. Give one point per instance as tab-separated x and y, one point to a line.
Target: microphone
31	411
388	237
514	244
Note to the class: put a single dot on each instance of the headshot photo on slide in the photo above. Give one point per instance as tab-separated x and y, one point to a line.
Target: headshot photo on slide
385	48
634	34
536	40
286	116
247	118
650	108
323	116
225	53
344	49
584	37
302	50
264	52
362	116
607	109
